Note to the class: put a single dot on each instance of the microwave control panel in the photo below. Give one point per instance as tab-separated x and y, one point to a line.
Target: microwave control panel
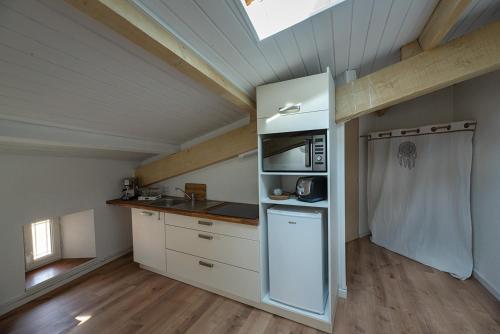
319	153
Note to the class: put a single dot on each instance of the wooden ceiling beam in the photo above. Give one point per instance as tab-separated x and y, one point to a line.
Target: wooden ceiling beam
138	27
464	58
444	17
409	50
221	148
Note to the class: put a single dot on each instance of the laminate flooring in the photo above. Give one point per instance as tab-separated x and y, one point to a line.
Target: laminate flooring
51	270
388	293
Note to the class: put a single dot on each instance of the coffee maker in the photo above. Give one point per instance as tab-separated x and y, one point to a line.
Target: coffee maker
130	188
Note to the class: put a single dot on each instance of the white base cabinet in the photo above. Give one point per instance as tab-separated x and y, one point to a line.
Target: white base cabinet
148	232
214	254
219	255
234	280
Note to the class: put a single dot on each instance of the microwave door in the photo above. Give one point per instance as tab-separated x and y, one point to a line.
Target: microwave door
295	159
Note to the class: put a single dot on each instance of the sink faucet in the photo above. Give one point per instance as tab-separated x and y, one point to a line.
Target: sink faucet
191	197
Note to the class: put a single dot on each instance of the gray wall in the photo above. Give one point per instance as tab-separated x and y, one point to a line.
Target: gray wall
36	187
479	99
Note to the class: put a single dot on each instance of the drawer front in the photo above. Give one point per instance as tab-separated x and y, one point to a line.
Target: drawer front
311	93
233	280
213	226
238	252
294	122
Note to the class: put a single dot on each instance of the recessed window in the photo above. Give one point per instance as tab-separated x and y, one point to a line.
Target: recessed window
41	234
42	243
269	17
57	245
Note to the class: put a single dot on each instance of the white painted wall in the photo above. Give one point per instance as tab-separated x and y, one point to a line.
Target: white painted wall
479	99
429	109
78	235
34	188
232	180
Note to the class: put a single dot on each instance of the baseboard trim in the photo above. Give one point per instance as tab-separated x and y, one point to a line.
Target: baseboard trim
56	282
487	285
342	293
362	235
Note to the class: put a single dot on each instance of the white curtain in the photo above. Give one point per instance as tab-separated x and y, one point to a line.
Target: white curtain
419	194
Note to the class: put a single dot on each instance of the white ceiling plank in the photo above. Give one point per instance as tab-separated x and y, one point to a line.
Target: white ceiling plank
77	41
378	21
308	48
268	46
290	49
273	56
395	22
341	20
64	67
61	67
366	35
74	137
415	21
201	25
76	79
204	48
322	26
226	23
362	11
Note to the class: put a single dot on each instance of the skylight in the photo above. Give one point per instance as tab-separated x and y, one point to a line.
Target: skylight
269	17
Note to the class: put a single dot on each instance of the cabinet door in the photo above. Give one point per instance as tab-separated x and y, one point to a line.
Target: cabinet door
148	231
293	97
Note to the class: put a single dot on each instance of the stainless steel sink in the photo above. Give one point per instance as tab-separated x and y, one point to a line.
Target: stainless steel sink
169	202
197	205
184	204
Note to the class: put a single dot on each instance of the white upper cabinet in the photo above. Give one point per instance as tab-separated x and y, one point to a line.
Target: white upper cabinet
296	105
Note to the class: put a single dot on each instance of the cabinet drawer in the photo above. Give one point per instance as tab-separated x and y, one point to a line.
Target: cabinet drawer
310	93
213	226
238	252
233	280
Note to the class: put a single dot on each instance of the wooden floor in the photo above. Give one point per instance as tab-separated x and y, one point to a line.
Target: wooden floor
51	270
387	294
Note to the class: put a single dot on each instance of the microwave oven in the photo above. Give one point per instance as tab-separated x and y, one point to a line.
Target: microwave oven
295	152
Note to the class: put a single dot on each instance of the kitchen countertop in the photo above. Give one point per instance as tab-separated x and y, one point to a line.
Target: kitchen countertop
230	212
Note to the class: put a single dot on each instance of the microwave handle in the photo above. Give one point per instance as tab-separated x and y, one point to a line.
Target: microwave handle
308	152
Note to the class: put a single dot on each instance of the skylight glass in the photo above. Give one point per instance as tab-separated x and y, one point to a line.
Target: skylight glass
269	17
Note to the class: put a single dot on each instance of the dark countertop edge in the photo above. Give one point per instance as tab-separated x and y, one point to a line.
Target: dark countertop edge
199	214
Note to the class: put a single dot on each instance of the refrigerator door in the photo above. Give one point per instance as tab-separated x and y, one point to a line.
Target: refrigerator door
297	275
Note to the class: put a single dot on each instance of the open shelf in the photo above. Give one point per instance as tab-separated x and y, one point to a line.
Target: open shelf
295	202
296	173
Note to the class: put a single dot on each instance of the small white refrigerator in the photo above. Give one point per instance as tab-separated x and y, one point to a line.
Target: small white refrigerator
297	245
